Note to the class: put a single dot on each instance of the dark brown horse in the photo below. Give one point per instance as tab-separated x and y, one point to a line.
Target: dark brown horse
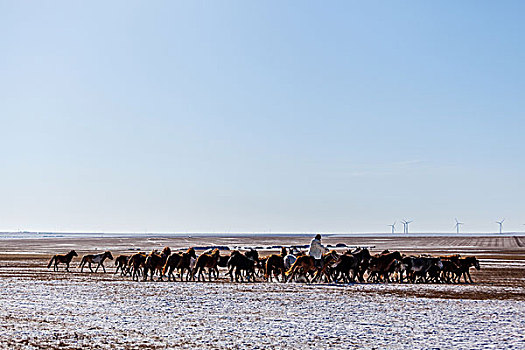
352	264
155	262
95	259
171	264
208	261
62	259
136	262
186	261
463	267
121	262
243	262
275	266
381	265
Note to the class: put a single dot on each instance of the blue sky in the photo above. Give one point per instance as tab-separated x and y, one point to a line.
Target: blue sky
237	116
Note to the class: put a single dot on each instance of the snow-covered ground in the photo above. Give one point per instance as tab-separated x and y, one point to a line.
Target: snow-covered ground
87	313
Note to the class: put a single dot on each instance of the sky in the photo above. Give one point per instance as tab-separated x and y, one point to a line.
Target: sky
237	116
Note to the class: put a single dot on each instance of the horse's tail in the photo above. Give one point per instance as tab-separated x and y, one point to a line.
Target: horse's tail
293	267
51	261
165	268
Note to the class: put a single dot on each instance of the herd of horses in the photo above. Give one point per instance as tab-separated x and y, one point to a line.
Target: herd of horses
289	265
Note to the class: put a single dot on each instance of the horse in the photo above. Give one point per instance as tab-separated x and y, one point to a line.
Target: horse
450	264
352	261
291	257
95	259
418	268
155	262
136	261
381	265
61	258
208	261
186	261
171	264
275	266
464	265
306	264
121	262
329	259
243	262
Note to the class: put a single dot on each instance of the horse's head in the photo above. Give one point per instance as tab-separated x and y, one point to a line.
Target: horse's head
252	254
397	255
284	252
331	255
73	253
166	251
472	261
215	252
191	253
108	255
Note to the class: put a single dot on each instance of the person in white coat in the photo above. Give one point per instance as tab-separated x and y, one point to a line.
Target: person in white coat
316	250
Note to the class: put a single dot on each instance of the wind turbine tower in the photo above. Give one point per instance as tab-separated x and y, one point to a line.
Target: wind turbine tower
408	222
500	223
405	225
457	225
393	227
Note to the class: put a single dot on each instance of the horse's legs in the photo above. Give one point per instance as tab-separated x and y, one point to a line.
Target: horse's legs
96	269
89	265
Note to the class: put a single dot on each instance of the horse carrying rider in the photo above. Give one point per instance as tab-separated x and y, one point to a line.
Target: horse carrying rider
316	250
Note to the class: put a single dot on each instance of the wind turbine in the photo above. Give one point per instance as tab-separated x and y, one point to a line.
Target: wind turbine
393	227
405	225
457	225
500	223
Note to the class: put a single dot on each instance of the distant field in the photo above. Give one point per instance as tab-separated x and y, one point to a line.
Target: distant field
42	309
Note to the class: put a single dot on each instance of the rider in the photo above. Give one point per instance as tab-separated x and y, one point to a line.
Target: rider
316	250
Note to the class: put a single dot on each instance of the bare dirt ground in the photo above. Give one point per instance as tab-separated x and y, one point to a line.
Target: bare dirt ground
42	309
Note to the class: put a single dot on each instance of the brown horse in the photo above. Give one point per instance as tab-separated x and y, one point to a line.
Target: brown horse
208	261
136	262
329	260
185	263
171	264
155	263
303	264
275	266
121	262
95	259
61	258
306	264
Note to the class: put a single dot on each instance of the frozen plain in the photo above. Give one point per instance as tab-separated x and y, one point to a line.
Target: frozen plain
83	312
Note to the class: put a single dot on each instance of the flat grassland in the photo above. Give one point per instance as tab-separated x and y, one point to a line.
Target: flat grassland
42	309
